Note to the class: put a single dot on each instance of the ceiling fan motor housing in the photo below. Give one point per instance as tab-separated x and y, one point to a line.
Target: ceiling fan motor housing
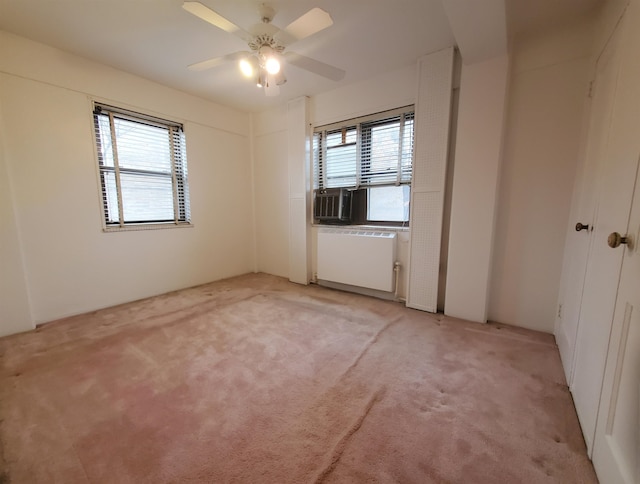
267	40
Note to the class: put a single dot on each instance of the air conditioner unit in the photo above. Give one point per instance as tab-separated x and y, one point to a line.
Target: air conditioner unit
332	205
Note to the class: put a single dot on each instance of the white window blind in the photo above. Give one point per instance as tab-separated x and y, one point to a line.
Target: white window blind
372	151
143	168
340	161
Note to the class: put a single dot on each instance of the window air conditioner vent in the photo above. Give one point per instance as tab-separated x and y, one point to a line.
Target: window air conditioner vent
332	205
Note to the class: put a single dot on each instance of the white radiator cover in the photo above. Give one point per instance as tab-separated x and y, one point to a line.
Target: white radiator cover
360	258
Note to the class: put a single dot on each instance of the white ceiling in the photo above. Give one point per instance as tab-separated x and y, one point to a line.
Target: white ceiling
157	39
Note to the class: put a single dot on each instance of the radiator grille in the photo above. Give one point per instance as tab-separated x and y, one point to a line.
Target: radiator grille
363	258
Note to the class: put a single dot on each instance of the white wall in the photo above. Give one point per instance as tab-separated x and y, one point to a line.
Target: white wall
380	93
73	266
271	191
549	80
478	153
15	313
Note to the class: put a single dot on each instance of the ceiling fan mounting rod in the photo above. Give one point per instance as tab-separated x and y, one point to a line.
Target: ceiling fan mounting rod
266	13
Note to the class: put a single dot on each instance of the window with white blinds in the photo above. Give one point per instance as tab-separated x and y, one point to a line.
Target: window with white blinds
143	168
372	151
372	158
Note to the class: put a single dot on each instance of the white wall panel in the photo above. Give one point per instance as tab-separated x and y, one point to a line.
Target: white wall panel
15	313
299	187
432	124
424	239
478	155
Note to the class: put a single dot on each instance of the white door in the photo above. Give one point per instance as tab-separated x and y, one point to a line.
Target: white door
616	453
617	180
579	239
616	449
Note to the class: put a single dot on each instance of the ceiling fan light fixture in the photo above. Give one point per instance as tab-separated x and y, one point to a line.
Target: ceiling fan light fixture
269	59
272	65
261	80
248	66
266	61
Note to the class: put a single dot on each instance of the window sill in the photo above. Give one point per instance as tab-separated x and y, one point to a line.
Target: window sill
147	226
382	228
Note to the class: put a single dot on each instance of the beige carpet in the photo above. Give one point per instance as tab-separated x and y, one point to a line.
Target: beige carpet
254	379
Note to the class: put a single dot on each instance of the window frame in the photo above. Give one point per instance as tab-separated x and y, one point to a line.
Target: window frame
365	176
177	159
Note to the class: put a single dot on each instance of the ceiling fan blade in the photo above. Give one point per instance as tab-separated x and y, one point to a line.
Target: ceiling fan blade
205	13
216	61
308	24
317	67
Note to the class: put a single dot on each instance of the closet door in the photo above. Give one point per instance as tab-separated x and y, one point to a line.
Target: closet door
580	235
616	453
616	178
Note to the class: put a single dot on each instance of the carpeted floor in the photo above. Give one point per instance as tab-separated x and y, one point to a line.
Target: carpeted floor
254	379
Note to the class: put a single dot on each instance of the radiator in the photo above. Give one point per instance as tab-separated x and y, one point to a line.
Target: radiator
357	257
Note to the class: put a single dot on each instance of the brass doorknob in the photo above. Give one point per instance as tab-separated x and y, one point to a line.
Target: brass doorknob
580	226
615	239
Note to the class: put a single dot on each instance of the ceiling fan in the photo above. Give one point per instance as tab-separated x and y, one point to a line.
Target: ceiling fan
267	43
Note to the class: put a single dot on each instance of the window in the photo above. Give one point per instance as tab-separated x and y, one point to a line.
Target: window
143	168
388	204
372	157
